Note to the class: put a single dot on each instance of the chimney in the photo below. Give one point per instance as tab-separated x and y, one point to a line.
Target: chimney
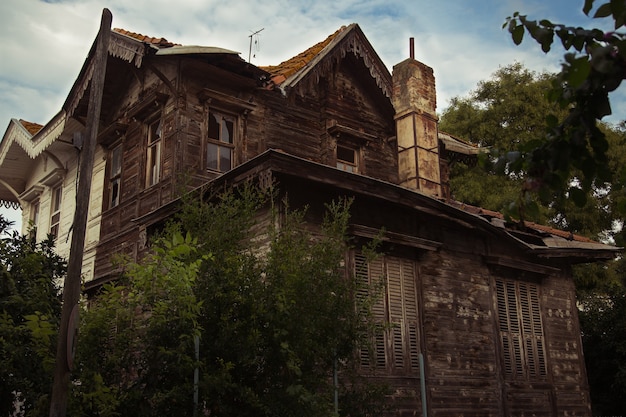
415	103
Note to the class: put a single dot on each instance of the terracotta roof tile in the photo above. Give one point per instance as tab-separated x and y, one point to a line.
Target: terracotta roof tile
287	68
162	42
534	226
30	126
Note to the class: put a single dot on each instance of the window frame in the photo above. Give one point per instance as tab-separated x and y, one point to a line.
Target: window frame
395	345
345	165
520	329
219	144
154	151
114	177
56	201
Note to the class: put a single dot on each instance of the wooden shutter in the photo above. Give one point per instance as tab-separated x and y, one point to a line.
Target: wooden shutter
521	330
396	344
402	300
368	276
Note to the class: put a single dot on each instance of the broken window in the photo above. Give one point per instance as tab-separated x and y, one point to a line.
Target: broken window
153	157
347	158
115	174
220	142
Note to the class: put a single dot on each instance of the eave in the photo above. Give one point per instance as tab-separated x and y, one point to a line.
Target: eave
280	164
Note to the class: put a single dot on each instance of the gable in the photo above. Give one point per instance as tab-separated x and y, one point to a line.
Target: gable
303	71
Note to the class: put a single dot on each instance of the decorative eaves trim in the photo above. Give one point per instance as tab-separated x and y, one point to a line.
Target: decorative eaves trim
32	145
352	41
120	46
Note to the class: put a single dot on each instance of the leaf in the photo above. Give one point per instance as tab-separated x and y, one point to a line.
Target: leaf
578	71
587	7
517	34
603	11
578	196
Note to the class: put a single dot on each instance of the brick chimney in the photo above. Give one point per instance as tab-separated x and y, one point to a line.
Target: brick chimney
415	103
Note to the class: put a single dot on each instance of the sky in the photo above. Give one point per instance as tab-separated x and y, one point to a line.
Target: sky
43	43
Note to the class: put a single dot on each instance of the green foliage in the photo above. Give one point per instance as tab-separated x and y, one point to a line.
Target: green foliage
268	298
508	113
604	340
30	309
504	113
136	341
593	66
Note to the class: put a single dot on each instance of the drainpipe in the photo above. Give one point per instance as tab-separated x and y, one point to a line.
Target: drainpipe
423	386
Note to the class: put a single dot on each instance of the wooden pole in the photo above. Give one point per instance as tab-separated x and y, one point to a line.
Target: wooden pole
71	287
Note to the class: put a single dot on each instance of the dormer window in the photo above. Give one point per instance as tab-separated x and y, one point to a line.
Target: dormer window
349	144
220	144
347	159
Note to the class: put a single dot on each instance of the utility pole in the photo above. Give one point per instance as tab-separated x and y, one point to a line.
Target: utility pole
71	287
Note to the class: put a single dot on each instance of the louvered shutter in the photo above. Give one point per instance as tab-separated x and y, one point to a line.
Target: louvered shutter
368	276
521	330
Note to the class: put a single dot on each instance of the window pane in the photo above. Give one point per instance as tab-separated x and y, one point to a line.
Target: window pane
115	192
214	126
56	199
227	131
346	154
225	158
211	156
154	163
155	132
116	161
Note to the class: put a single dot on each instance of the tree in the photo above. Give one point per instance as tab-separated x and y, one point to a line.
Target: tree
506	113
572	156
274	319
502	114
30	309
576	156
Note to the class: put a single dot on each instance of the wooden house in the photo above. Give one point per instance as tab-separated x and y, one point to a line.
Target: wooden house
484	313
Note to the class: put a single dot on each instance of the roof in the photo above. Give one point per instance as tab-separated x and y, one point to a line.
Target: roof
455	144
304	70
158	42
31	127
541	241
287	68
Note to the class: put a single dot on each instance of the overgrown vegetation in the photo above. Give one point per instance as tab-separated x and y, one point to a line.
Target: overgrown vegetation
264	322
30	308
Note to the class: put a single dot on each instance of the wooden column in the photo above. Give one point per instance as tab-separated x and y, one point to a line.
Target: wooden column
71	287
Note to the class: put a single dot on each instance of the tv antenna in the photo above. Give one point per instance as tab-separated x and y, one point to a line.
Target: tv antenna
256	42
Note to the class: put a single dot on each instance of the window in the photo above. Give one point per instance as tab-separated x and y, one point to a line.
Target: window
347	159
391	281
55	211
521	330
220	142
34	217
153	160
115	173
